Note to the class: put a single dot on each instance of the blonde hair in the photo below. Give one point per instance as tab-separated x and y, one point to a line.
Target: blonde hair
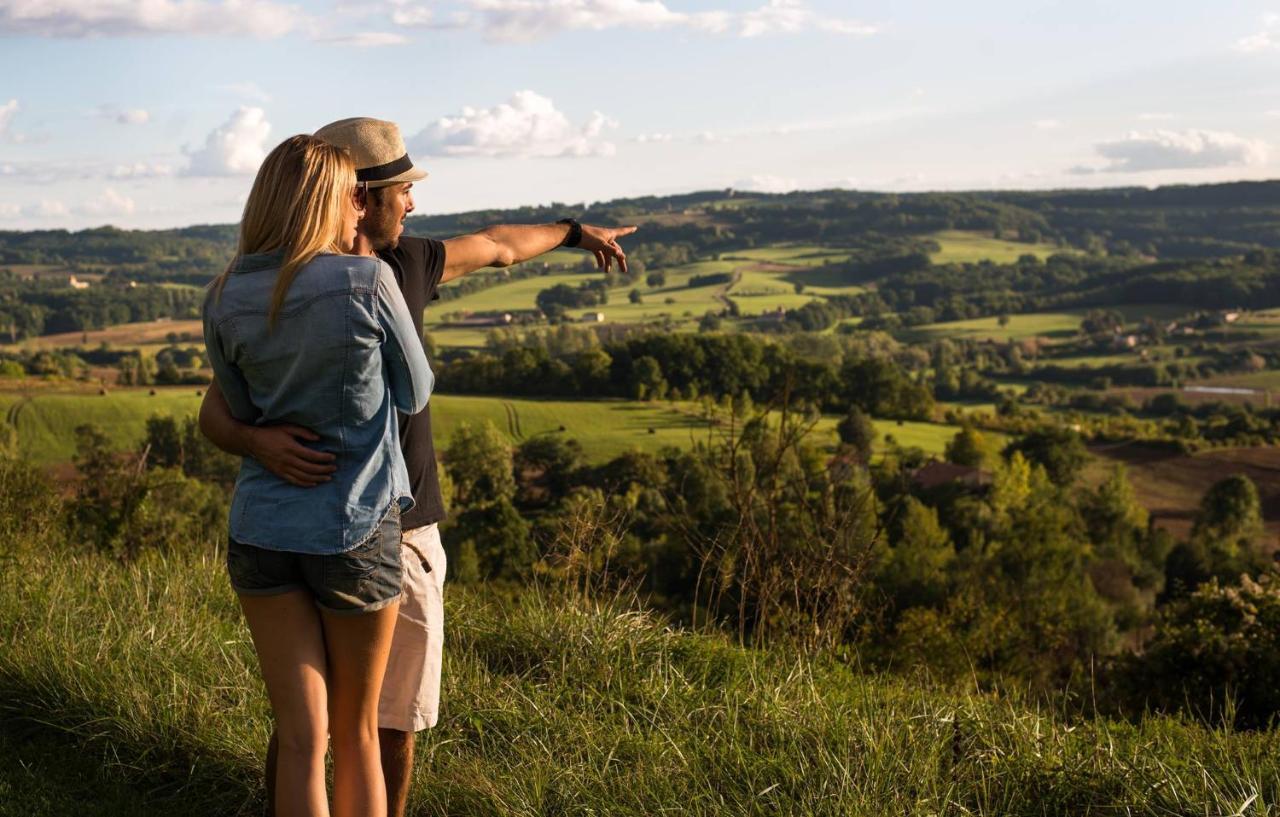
296	207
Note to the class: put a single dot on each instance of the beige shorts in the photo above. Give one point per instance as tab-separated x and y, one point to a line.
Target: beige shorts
411	689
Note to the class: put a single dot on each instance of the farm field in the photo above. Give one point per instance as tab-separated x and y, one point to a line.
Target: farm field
1170	486
46	420
969	247
1036	324
124	335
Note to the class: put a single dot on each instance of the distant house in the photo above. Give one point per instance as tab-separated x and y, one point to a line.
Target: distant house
593	317
76	283
1230	317
1125	341
937	474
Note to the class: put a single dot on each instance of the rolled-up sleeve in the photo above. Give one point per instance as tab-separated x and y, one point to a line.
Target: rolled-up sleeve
405	363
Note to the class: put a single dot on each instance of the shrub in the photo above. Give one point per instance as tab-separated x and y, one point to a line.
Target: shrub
1215	654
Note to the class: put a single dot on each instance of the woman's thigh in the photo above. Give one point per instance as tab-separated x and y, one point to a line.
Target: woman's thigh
289	637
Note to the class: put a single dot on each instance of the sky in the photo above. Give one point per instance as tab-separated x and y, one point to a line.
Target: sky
156	113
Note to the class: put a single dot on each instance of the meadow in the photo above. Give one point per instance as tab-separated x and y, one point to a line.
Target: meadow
45	421
133	689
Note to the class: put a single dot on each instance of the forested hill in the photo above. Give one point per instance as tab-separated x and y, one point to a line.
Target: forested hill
1180	222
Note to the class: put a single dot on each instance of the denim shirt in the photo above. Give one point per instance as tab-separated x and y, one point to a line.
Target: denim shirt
342	357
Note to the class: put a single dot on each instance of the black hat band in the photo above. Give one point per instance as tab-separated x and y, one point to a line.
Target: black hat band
380	173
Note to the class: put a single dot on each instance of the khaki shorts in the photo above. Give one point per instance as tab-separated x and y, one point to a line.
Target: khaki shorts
411	689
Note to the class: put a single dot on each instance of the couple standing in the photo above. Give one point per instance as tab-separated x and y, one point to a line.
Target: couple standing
314	333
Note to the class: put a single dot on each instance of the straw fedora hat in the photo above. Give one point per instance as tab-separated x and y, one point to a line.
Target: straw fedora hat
377	148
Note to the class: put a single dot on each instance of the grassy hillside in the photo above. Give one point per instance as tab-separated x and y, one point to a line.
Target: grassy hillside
136	688
46	419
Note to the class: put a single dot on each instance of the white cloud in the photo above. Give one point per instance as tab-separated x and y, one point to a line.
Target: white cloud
404	13
527	125
47	208
249	90
526	20
766	183
1047	124
141	170
1139	152
7	133
790	16
125	116
653	137
84	18
235	148
1263	40
709	138
110	203
366	39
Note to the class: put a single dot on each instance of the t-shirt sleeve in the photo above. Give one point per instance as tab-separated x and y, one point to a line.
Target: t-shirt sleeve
433	263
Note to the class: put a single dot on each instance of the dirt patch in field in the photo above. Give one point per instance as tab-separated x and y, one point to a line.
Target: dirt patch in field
126	334
1170	486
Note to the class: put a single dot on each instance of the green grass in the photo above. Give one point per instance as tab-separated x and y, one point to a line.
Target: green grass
555	706
1033	324
968	247
46	421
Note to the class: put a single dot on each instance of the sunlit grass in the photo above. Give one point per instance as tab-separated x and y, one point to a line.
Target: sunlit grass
144	677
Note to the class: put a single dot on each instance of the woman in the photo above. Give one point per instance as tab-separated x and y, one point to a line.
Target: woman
299	333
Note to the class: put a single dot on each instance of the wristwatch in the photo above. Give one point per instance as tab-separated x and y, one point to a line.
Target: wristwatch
574	238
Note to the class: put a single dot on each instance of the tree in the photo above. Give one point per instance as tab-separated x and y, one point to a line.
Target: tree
1230	517
648	382
501	537
969	447
857	431
478	460
543	467
656	280
1060	451
913	571
635	296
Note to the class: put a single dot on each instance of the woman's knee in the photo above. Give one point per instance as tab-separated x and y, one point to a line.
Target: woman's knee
308	737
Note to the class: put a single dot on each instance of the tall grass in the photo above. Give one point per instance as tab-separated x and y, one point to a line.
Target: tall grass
560	705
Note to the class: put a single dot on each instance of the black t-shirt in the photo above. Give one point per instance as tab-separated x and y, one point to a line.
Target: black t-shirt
419	264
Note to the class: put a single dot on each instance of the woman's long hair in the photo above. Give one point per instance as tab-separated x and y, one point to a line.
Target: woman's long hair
295	207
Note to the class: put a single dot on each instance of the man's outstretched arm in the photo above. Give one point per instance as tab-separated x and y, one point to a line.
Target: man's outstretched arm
276	447
507	244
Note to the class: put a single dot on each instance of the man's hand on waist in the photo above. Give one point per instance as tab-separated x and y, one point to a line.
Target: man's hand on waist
280	451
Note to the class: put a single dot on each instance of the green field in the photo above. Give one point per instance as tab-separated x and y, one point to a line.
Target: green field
46	421
1036	324
968	247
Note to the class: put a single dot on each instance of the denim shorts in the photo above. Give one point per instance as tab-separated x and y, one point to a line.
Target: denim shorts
360	580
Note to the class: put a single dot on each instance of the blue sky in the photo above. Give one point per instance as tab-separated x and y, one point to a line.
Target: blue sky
152	113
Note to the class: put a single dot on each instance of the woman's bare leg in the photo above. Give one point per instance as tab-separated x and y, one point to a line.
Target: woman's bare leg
357	647
289	638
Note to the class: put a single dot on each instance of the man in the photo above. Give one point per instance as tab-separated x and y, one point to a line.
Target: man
385	175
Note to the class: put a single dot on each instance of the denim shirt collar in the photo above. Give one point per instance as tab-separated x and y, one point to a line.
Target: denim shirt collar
258	261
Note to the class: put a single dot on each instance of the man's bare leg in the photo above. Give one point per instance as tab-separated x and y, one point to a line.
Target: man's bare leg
397	767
